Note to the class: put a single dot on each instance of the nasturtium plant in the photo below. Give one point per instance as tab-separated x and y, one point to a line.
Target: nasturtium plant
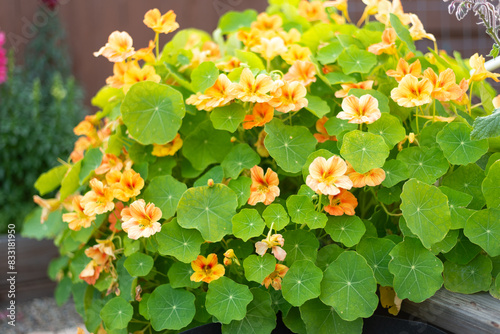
284	166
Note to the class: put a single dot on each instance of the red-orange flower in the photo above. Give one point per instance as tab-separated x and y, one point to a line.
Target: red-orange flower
274	278
342	203
327	176
118	48
91	272
161	23
362	110
141	220
411	92
301	71
289	96
98	200
207	269
403	69
262	113
264	188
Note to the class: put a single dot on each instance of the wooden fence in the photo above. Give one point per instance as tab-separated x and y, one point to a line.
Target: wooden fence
89	23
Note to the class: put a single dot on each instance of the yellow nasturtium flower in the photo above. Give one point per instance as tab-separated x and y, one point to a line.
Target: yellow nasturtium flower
161	23
411	92
207	269
479	72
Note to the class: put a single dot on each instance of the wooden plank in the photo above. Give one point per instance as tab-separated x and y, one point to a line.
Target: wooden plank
465	314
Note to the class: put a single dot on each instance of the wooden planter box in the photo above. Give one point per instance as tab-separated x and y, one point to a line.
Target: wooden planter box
458	313
32	261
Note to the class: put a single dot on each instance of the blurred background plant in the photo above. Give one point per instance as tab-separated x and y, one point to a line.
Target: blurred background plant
40	103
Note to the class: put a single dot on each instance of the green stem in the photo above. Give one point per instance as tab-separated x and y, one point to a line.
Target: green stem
157	42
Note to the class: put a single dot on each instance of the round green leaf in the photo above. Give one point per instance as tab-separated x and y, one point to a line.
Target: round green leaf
260	317
389	195
301	282
364	150
335	126
227	300
228	117
209	210
298	207
468	179
322	319
239	158
139	264
165	192
315	219
91	161
300	245
117	313
350	287
329	53
247	224
463	251
143	306
170	308
259	267
317	106
395	172
153	112
354	60
457	146
376	252
205	145
327	255
417	272
176	241
204	76
468	278
491	186
345	229
276	214
289	145
232	21
426	211
483	229
241	187
179	276
425	164
215	173
446	244
457	202
390	128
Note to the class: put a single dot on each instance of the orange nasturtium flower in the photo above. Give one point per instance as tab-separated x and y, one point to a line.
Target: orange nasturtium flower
362	110
118	48
219	92
479	72
445	86
301	71
78	218
136	74
274	278
91	272
322	134
264	188
109	162
251	89
388	44
289	96
98	200
161	23
274	242
327	176
249	38
371	178
403	69
81	145
102	252
342	203
348	86
411	92
290	37
207	269
296	52
119	70
262	113
130	185
115	216
312	11
146	54
267	22
169	148
270	48
141	220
